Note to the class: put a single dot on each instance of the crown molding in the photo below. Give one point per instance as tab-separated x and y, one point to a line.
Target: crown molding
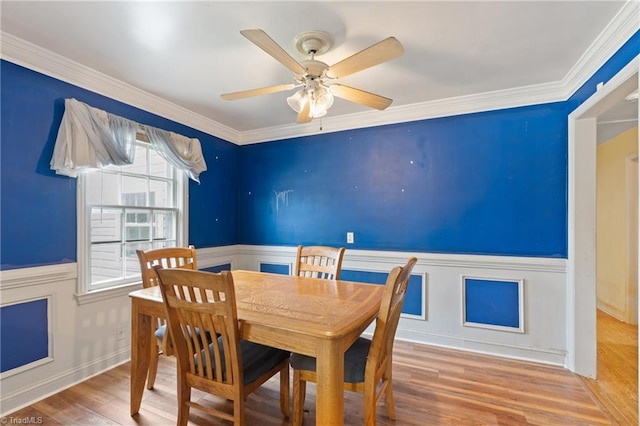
619	30
53	65
509	98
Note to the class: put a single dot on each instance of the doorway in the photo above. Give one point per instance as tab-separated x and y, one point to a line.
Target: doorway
617	220
581	262
616	386
581	269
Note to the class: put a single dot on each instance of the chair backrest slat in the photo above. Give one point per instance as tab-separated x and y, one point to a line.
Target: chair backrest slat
319	262
388	318
200	305
166	257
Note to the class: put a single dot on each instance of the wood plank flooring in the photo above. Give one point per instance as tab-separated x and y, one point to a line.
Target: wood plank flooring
432	386
617	384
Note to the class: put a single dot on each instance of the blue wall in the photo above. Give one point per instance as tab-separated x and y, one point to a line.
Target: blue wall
492	183
485	183
38	208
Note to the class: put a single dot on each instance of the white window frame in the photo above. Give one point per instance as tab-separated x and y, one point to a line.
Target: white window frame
84	292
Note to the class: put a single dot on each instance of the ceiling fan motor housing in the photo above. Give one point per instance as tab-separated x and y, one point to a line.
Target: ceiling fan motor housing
313	42
314	69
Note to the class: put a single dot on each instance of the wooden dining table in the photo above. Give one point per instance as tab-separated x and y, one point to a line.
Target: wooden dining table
310	316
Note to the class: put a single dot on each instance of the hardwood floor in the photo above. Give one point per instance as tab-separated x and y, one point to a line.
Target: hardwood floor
617	384
432	386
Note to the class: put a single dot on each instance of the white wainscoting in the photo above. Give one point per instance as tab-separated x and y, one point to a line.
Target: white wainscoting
545	298
84	339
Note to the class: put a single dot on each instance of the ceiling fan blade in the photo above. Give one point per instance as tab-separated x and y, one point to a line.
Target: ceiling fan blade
360	96
266	43
380	52
304	116
256	92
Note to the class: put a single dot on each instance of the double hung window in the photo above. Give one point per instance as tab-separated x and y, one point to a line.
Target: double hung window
132	192
126	208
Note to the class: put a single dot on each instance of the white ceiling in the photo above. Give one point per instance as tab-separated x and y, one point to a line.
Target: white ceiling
189	53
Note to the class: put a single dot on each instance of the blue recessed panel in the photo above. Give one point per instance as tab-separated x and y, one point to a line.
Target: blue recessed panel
24	334
218	268
413	301
492	302
274	268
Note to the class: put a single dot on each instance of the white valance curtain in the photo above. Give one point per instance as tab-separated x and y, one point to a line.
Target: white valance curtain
89	138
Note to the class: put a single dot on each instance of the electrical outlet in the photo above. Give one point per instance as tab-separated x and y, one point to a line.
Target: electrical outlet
119	333
350	237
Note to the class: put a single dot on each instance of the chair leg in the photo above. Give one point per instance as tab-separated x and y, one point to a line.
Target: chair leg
184	396
238	411
388	396
369	397
299	393
153	366
284	391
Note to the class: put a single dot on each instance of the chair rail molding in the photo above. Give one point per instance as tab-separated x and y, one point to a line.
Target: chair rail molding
15	278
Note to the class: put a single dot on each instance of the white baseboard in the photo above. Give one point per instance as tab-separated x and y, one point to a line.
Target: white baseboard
37	391
611	309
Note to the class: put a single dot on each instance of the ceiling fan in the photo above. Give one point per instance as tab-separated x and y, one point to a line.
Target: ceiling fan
317	79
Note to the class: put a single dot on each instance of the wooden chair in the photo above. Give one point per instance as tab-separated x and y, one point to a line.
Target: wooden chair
319	262
169	257
366	362
200	304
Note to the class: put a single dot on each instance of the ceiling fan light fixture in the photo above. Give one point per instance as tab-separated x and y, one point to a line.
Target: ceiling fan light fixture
322	101
320	98
298	100
317	112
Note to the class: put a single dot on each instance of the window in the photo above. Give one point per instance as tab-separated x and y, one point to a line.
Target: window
122	209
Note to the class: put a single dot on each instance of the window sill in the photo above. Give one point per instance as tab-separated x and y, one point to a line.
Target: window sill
108	293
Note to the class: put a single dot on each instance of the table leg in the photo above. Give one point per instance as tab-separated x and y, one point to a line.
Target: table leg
330	384
140	354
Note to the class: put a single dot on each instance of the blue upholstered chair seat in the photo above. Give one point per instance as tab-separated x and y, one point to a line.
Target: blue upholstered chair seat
160	331
355	361
256	359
